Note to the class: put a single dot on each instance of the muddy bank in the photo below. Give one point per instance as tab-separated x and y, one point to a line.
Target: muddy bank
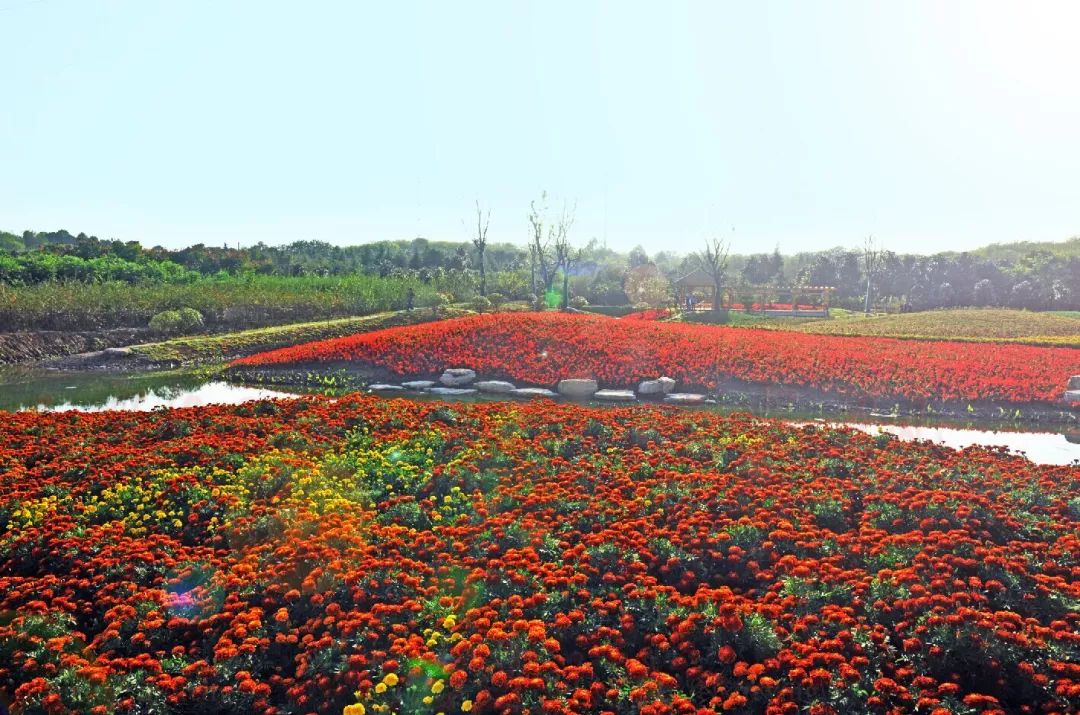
215	349
731	393
343	374
36	346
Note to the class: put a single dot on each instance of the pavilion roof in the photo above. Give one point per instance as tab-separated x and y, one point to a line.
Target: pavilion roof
696	278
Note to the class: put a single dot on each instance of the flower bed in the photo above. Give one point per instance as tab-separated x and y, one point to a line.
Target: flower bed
366	556
543	348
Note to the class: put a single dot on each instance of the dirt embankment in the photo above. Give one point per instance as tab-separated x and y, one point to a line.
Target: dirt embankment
34	346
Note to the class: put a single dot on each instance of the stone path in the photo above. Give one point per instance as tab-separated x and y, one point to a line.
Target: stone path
459	381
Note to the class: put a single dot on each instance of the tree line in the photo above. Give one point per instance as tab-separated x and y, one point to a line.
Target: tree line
552	267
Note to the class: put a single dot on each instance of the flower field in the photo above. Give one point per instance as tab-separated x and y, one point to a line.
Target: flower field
542	348
363	555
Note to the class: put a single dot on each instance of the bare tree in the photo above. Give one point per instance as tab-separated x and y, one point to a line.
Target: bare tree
549	247
566	256
532	268
873	256
714	261
540	244
480	242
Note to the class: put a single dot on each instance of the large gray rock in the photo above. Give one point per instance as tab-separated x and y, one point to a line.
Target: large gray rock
452	391
1074	382
498	387
615	396
684	398
659	386
418	384
384	387
532	392
578	389
1073	397
457	376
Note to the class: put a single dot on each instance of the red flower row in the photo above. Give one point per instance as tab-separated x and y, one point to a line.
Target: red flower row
542	348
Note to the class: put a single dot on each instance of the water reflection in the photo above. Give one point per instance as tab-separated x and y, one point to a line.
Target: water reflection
1039	447
210	393
23	389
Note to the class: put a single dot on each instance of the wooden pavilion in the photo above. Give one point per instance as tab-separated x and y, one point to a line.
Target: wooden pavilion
698	285
696	291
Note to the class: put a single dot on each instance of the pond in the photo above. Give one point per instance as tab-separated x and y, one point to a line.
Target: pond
22	389
26	389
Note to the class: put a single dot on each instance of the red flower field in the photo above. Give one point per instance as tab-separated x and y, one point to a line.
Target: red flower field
363	555
542	348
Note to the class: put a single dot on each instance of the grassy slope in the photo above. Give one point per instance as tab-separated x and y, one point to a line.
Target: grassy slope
974	324
231	303
211	348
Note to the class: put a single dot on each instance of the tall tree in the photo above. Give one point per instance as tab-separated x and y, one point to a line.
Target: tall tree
540	242
872	260
566	257
714	261
480	242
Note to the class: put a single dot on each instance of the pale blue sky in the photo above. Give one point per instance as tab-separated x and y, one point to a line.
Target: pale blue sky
931	125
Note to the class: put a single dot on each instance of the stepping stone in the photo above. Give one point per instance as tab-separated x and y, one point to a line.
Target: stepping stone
382	387
418	384
1073	397
684	398
457	376
578	389
498	387
1074	383
616	396
660	386
452	391
533	392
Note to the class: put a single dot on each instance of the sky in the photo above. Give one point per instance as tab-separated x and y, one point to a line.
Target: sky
932	126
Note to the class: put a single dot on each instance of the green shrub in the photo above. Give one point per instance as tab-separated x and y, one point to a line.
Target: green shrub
496	299
439	300
175	322
481	304
579	301
191	319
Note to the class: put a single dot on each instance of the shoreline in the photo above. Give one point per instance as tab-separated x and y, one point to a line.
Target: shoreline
730	393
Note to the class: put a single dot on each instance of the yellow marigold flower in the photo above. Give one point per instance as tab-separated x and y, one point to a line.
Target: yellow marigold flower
354	709
438	687
428	700
449	622
466	706
380	688
390	679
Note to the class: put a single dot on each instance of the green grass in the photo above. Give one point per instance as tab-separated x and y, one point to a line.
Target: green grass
1060	328
741	319
218	348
